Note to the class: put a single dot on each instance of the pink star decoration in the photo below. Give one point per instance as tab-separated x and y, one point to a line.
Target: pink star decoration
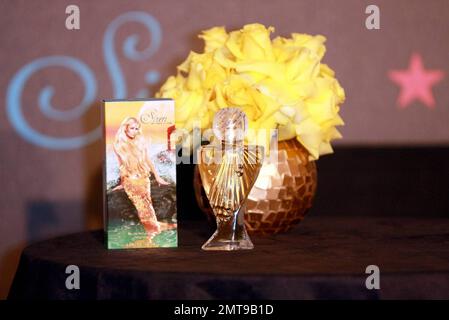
416	82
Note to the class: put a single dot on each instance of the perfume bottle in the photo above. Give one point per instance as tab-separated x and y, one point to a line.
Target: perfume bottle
228	170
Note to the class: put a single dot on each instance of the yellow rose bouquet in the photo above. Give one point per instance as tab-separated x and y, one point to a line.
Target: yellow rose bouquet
279	84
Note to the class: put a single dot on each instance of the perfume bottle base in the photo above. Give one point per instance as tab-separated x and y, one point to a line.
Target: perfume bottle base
230	235
214	244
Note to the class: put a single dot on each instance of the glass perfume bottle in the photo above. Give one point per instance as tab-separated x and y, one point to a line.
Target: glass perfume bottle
228	170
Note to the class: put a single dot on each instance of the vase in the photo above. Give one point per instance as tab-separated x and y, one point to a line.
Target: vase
282	194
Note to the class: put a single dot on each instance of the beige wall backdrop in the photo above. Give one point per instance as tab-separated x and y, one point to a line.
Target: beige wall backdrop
50	168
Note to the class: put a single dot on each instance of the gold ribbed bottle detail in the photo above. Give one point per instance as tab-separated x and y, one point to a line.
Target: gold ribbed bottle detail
227	184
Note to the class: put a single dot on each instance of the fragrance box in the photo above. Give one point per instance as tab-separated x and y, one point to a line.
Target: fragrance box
139	173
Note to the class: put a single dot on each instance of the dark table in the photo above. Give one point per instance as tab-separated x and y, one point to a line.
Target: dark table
322	258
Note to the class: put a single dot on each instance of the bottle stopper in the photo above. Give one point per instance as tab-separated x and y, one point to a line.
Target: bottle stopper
230	125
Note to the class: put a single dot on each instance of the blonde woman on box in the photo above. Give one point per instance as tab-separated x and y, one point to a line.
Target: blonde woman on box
135	168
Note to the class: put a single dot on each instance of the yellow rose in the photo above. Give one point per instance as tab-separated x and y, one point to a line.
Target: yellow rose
256	42
214	38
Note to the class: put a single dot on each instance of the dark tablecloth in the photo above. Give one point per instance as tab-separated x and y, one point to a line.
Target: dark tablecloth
322	258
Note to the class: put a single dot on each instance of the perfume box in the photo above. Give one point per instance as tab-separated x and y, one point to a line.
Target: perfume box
139	173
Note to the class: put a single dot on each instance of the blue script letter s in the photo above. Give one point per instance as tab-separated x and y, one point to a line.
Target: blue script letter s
14	105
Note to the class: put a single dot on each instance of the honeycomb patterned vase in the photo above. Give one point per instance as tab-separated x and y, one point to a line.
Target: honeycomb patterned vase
282	194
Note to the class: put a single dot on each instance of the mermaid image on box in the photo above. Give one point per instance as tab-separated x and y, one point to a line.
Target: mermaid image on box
135	169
